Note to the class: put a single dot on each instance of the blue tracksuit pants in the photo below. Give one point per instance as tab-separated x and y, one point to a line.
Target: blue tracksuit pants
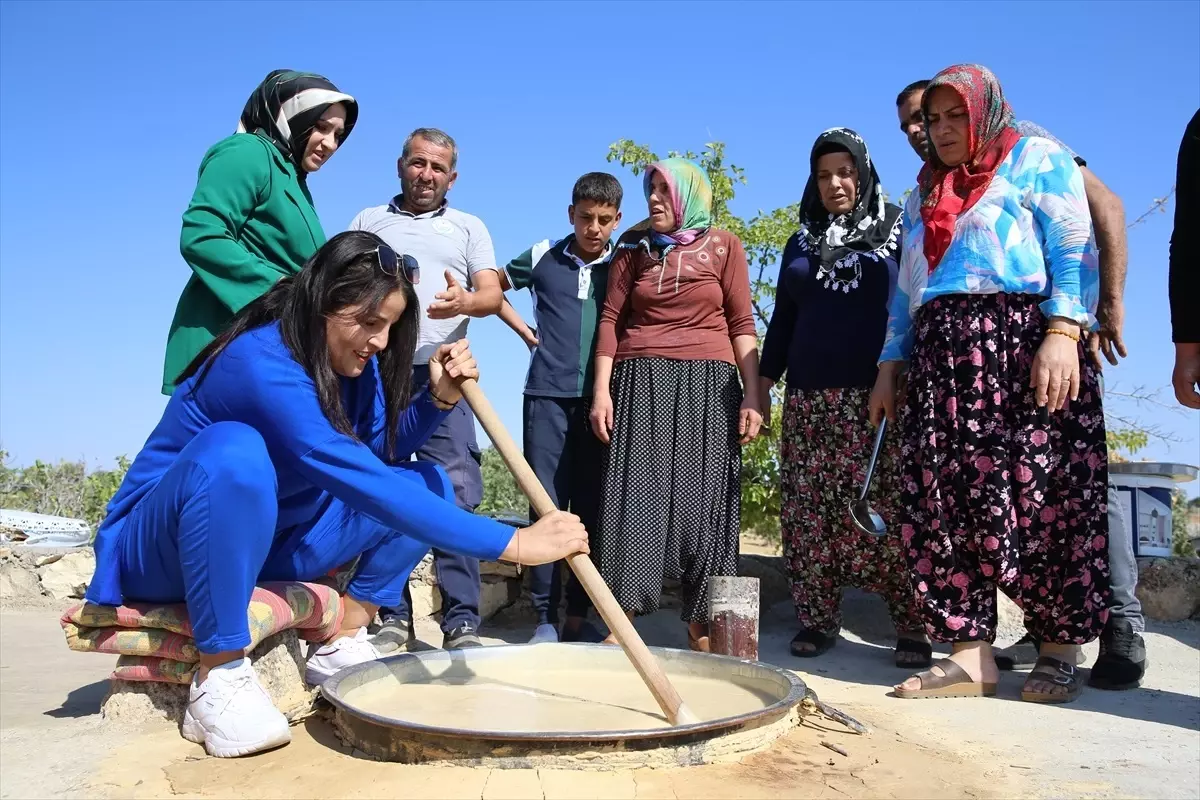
207	533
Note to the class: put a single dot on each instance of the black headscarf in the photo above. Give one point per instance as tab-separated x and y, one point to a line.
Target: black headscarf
872	225
286	107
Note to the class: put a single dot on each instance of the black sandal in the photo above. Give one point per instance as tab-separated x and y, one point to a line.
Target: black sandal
914	647
821	642
1064	674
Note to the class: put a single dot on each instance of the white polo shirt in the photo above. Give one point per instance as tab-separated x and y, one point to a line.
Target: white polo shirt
441	240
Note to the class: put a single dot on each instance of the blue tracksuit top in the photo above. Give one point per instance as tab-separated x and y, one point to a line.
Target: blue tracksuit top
257	382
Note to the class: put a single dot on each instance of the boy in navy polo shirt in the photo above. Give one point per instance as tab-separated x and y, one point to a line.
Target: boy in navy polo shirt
567	279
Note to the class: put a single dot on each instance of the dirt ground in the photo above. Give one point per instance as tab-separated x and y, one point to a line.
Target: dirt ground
1144	743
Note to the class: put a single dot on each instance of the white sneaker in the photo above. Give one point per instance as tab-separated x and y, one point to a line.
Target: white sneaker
339	654
232	715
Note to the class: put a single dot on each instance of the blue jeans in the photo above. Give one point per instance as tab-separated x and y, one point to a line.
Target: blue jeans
206	535
568	459
452	447
1122	566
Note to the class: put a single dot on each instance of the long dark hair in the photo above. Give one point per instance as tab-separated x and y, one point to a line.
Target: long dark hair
344	273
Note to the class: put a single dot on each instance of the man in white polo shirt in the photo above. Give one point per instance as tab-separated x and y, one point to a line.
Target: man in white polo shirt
458	280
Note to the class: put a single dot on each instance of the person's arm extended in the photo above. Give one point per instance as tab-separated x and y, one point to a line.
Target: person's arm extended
1108	220
1184	270
518	274
487	296
418	422
1060	212
750	418
778	339
739	316
515	321
233	179
274	395
457	300
890	381
612	323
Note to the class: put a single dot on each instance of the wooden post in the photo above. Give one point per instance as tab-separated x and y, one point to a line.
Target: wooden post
733	616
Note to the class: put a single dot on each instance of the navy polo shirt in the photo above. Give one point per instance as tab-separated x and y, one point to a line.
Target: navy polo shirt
567	296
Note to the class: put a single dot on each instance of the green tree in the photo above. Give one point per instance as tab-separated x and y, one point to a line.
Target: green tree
1181	539
500	491
65	489
763	235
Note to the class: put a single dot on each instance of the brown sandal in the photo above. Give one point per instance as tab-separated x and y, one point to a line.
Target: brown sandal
1063	674
955	683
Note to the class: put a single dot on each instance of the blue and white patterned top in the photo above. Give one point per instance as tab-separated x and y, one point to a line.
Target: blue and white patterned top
1030	233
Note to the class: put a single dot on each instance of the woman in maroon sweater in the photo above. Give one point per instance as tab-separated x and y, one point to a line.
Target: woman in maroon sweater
676	329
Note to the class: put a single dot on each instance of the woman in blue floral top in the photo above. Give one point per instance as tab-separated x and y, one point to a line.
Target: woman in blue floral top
1005	467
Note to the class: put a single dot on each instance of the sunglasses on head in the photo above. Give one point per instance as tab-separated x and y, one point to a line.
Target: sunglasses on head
391	263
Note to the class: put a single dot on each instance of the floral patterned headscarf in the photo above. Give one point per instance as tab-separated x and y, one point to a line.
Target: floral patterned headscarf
947	192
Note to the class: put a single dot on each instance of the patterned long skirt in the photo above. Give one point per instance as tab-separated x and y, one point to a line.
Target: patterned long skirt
997	494
672	493
826	444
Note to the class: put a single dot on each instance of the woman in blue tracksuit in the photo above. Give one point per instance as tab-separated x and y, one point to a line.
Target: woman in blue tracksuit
282	455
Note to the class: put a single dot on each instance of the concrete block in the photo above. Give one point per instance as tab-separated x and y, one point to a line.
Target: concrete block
278	660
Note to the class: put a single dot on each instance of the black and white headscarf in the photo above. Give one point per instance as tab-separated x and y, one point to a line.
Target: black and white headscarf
872	226
286	107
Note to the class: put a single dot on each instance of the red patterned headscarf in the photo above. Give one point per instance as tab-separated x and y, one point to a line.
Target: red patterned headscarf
947	192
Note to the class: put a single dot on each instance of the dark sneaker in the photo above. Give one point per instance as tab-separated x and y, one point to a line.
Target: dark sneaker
1122	661
586	632
393	635
464	635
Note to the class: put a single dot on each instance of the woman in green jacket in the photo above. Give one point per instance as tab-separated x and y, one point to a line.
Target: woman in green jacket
251	220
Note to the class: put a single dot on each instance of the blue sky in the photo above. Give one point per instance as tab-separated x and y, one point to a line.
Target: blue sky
107	109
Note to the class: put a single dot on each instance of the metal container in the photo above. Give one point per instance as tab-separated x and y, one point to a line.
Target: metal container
391	739
1144	489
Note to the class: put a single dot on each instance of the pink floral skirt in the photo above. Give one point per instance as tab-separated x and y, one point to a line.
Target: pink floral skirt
997	494
826	444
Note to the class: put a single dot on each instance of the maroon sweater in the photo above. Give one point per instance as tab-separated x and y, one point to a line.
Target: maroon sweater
691	307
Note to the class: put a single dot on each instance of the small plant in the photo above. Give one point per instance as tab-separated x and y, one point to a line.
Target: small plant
500	491
65	489
1181	539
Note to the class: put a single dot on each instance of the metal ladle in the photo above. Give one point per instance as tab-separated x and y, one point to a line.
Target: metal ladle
865	517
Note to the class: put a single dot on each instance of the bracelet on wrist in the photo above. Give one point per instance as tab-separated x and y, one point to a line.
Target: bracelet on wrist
1059	331
443	405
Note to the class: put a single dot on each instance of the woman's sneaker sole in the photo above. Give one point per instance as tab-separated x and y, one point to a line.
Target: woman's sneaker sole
218	747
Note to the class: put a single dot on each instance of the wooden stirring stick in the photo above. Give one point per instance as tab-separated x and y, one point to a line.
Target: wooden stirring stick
602	597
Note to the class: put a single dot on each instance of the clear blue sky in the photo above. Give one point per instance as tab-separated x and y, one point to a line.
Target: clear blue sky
107	109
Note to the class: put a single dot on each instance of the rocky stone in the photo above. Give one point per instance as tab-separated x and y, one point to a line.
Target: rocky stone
18	582
496	593
5	552
1169	588
499	569
68	577
42	561
277	660
424	572
426	599
1010	619
771	572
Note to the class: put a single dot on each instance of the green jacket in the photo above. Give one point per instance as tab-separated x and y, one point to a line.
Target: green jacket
251	222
